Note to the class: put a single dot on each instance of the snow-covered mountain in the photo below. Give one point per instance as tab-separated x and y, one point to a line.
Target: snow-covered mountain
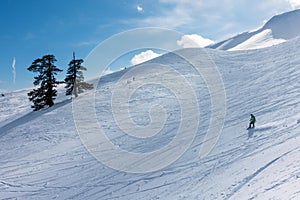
278	29
42	156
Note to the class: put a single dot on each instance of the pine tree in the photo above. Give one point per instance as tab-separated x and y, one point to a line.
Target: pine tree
45	94
75	80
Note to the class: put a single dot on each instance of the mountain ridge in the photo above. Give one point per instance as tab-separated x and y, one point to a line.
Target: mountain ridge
278	29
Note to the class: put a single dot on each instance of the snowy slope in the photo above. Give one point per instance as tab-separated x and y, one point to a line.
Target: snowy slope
18	105
278	29
42	156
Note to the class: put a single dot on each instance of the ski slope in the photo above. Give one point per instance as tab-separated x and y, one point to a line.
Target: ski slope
42	156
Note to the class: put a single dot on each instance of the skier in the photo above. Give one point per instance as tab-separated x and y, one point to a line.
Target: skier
252	121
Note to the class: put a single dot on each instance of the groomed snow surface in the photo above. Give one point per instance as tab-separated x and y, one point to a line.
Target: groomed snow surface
42	156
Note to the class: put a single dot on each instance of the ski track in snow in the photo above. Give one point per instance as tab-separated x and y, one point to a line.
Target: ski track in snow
252	176
42	160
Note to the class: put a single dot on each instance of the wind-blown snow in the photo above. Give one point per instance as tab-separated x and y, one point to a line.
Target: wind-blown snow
260	40
42	156
278	29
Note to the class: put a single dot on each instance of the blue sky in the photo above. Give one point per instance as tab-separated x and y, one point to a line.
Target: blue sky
33	28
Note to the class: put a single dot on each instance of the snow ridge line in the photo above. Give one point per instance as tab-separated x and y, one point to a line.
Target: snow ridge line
250	177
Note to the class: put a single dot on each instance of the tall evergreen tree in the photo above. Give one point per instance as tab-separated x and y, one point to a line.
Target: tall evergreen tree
45	94
75	80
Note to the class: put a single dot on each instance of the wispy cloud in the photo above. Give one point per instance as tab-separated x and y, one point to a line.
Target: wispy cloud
294	3
175	17
13	66
87	43
214	18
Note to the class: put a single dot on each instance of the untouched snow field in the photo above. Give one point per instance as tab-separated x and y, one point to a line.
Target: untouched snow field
260	40
42	156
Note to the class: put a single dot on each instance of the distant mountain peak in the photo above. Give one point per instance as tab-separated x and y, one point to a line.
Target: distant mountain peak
278	29
284	26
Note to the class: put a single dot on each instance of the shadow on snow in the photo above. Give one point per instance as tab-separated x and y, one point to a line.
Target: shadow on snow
252	130
30	116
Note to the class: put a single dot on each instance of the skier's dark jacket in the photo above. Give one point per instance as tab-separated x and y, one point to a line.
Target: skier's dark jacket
252	119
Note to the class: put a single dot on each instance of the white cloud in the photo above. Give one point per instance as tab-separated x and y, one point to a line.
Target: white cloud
214	18
13	66
194	40
176	17
295	4
139	8
143	57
